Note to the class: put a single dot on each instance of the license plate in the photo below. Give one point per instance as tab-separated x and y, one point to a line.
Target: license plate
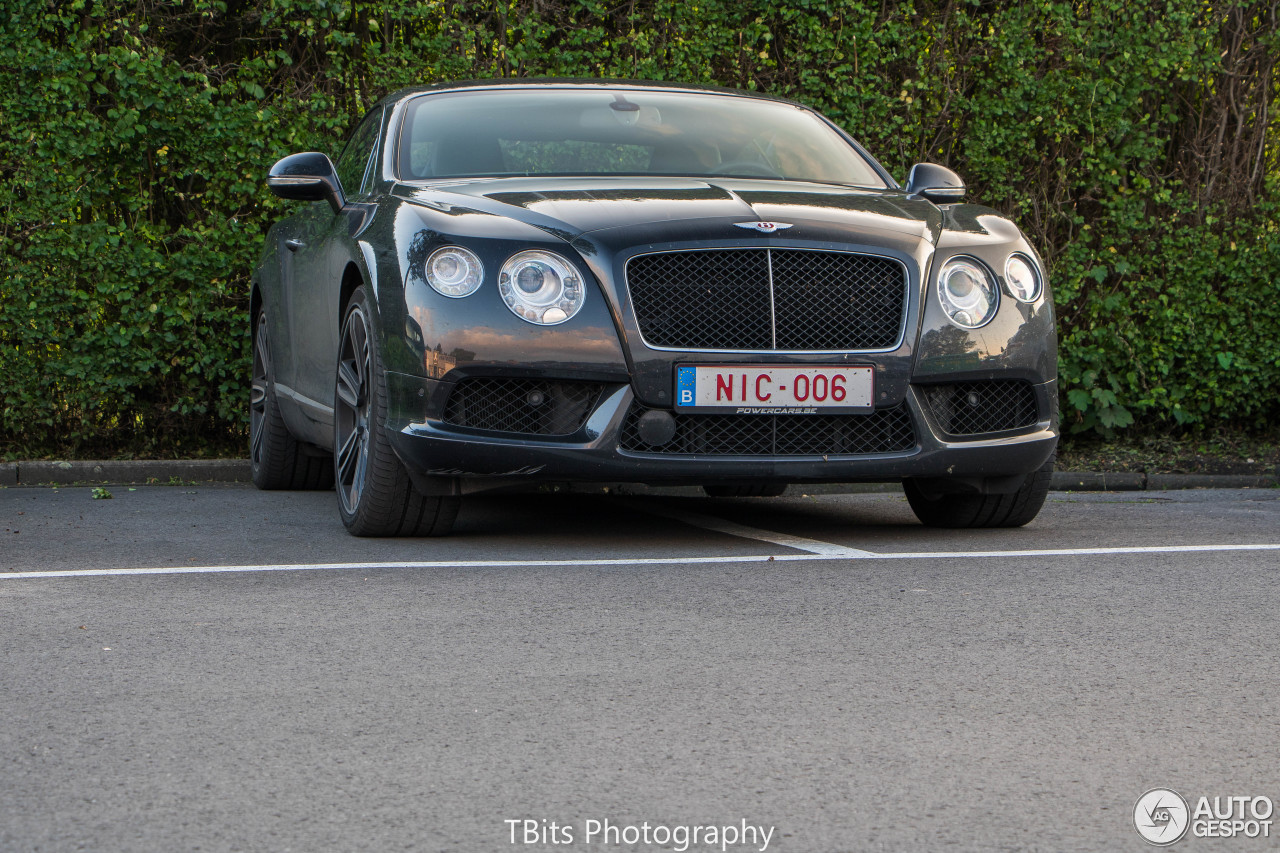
773	390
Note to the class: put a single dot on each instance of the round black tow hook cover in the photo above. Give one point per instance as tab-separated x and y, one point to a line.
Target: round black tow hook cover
656	428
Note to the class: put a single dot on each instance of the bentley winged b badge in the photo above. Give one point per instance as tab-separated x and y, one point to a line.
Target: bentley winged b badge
765	227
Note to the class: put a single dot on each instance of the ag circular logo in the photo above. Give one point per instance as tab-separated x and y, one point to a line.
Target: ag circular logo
1161	816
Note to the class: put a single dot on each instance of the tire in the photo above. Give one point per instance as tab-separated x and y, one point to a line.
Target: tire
375	494
1011	510
745	490
277	459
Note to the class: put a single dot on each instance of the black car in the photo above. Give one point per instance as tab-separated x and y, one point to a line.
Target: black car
514	283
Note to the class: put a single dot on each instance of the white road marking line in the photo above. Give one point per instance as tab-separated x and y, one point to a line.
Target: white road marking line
635	561
720	525
435	564
1075	552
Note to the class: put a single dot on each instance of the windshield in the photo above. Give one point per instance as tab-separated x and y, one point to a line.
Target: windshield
548	131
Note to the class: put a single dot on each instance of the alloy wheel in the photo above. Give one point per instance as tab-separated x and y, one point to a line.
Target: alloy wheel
351	409
258	390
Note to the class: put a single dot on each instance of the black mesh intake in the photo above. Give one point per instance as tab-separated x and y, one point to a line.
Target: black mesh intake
834	301
703	300
529	406
767	299
974	408
883	431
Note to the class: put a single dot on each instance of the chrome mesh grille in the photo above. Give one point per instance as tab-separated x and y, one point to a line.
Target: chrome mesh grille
529	406
882	431
767	299
974	408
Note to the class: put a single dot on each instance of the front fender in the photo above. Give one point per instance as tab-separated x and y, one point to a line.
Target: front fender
1021	340
437	337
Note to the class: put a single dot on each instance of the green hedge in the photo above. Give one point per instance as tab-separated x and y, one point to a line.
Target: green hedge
1136	144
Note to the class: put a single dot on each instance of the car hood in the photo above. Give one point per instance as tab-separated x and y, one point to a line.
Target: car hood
665	209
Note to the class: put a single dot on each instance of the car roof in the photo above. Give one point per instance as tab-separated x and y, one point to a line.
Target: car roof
533	83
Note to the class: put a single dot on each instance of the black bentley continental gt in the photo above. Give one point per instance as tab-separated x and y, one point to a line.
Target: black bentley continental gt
516	283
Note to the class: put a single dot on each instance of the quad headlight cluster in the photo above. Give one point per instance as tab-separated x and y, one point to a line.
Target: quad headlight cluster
539	287
970	294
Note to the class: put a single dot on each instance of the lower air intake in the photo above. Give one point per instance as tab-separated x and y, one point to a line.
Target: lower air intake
975	408
883	431
526	406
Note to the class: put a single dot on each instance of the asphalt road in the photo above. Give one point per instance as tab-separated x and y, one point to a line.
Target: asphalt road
570	658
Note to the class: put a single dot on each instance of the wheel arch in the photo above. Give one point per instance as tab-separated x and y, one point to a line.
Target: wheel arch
255	303
351	279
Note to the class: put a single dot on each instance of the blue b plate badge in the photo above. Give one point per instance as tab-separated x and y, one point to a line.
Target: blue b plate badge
762	389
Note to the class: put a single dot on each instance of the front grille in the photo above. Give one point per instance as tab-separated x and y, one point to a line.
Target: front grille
973	408
529	406
767	299
883	431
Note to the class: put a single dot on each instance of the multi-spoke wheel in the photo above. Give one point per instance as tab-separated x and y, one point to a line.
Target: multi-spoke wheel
1011	510
276	458
375	494
351	409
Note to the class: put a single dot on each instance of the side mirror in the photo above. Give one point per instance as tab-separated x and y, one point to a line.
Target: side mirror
936	183
307	177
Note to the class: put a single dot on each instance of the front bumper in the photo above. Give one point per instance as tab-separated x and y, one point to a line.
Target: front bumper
446	459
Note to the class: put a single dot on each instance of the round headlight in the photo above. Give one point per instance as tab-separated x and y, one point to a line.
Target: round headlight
967	292
1022	279
454	271
541	287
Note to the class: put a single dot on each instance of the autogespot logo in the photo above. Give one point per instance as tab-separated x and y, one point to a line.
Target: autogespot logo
1161	816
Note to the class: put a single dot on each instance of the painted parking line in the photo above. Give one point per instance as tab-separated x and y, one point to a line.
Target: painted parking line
633	561
720	525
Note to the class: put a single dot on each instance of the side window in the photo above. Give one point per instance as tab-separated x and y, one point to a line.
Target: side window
355	156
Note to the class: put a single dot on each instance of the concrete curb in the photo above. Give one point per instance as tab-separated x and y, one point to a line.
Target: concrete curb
1098	481
184	471
1085	481
139	471
1161	482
